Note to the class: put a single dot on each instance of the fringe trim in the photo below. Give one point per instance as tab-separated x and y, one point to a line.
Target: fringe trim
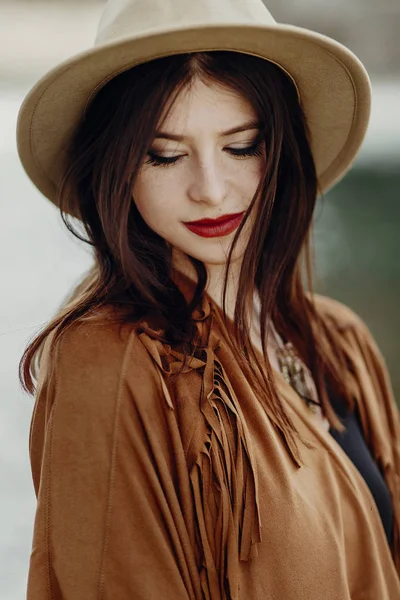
225	488
223	476
373	395
393	483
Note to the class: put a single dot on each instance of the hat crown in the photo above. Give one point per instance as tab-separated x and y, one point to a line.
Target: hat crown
124	18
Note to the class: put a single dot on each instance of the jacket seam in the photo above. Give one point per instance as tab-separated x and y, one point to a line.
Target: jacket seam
49	475
112	468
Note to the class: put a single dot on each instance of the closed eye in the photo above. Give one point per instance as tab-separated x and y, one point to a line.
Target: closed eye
165	161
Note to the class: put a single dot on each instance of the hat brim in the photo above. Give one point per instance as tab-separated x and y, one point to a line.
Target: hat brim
334	89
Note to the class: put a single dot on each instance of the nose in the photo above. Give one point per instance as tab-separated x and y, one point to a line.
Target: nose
208	182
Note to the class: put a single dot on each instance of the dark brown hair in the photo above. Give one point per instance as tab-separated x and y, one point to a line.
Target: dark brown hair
132	266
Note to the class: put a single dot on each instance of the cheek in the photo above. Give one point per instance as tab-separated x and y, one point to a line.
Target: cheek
249	175
154	202
258	167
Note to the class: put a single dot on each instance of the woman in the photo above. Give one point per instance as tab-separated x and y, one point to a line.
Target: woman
204	427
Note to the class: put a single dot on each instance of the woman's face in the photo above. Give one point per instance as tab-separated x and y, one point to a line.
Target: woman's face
198	167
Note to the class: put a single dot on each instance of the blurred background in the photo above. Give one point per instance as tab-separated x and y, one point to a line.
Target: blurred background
357	224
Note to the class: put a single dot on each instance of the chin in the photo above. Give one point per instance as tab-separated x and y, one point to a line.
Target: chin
210	252
216	258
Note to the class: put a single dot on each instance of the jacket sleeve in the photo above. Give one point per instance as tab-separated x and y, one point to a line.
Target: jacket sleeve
373	390
377	402
381	418
108	471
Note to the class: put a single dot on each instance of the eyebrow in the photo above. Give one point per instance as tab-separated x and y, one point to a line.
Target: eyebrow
179	138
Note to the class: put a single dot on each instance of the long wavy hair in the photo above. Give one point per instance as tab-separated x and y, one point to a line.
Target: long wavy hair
133	265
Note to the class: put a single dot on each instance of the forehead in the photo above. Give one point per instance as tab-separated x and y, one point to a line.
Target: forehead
207	105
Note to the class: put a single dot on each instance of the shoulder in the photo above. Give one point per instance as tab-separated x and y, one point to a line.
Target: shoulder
97	369
353	332
351	328
92	358
339	314
101	339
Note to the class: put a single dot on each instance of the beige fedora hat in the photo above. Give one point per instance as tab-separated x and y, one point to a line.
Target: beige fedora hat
333	86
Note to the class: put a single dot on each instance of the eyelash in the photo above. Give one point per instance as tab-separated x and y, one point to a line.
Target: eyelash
163	161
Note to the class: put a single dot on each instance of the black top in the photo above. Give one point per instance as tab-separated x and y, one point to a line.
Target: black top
353	443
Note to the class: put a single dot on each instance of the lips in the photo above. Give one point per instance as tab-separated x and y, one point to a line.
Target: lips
222	226
214	221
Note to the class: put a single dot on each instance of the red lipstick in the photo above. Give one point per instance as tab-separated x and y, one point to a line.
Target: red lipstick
215	227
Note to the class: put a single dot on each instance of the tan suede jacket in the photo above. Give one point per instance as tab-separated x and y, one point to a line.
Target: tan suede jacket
153	490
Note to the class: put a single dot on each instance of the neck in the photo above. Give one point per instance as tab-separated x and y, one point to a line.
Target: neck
214	289
215	282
